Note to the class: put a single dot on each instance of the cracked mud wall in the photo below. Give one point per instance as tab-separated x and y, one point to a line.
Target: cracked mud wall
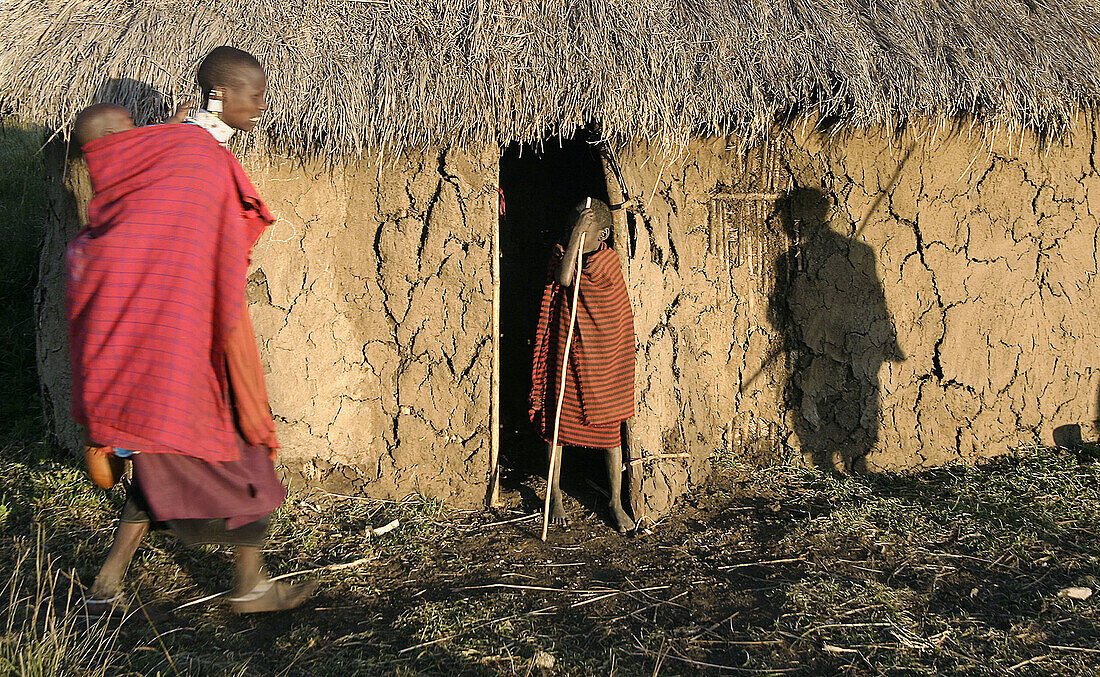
985	247
69	191
933	302
704	382
873	302
371	297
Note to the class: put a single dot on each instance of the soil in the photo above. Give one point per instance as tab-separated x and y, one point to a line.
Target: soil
586	586
762	571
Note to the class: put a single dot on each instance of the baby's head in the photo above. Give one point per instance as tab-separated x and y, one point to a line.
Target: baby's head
97	121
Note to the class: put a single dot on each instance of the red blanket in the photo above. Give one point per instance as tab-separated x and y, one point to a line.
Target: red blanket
601	361
156	287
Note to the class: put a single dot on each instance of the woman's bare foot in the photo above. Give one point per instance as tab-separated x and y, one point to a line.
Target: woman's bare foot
270	595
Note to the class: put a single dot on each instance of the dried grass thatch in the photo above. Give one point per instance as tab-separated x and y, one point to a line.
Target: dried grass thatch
355	75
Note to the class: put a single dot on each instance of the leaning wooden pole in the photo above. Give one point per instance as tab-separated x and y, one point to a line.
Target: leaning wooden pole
561	387
493	499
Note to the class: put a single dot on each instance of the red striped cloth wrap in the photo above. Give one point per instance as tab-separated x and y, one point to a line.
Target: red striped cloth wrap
599	382
156	286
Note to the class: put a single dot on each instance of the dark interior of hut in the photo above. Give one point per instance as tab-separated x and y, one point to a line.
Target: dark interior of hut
541	183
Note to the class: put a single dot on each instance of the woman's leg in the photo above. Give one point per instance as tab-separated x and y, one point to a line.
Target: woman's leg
127	538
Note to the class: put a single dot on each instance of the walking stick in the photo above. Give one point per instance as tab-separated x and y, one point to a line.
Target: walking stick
561	388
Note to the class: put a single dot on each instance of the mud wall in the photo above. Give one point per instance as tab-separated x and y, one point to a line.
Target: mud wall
372	297
984	335
869	301
694	239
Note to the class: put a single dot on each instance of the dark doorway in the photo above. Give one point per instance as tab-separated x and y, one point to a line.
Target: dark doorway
541	183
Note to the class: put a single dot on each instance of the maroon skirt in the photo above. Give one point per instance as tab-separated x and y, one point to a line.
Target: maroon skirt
206	502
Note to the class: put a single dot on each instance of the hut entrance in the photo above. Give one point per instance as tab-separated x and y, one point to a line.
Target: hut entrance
541	183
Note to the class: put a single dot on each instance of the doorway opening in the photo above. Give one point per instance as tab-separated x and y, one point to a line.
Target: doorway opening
541	184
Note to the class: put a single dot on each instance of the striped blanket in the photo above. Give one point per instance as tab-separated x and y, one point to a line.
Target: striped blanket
600	379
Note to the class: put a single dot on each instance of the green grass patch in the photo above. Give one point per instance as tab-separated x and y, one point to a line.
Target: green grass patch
786	571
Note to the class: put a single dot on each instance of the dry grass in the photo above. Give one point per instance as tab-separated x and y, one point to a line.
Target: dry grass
777	571
45	631
349	76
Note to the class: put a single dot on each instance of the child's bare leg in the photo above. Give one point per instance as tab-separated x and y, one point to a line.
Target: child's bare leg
127	538
615	483
557	510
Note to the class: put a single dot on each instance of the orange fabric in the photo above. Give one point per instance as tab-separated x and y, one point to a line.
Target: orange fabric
246	379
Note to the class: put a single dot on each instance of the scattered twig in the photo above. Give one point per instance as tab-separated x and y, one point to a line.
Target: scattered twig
1029	661
542	588
511	586
656	457
714	626
473	627
598	488
837	649
385	529
649	607
1073	648
786	560
524	518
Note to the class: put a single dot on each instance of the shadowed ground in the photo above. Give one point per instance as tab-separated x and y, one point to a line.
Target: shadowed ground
783	570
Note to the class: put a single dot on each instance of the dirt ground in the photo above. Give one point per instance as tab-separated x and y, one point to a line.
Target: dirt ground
766	571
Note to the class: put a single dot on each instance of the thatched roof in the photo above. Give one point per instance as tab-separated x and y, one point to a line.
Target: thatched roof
349	75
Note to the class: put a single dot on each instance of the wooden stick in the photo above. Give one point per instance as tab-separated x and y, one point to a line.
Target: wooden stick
749	197
786	560
561	388
330	567
657	457
511	521
494	403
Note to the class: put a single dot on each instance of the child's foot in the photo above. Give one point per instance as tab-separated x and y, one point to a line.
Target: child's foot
622	521
557	514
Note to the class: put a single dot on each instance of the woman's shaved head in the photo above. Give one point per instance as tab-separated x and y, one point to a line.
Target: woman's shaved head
226	66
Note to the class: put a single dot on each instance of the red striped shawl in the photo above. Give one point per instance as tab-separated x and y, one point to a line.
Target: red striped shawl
601	361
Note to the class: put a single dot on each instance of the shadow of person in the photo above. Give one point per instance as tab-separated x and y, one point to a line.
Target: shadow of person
829	306
147	104
1069	437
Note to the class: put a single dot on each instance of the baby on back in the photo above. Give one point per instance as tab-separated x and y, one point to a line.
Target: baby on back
96	122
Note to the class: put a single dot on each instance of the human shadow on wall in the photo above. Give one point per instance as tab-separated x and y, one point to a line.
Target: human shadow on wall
147	104
830	307
1072	436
